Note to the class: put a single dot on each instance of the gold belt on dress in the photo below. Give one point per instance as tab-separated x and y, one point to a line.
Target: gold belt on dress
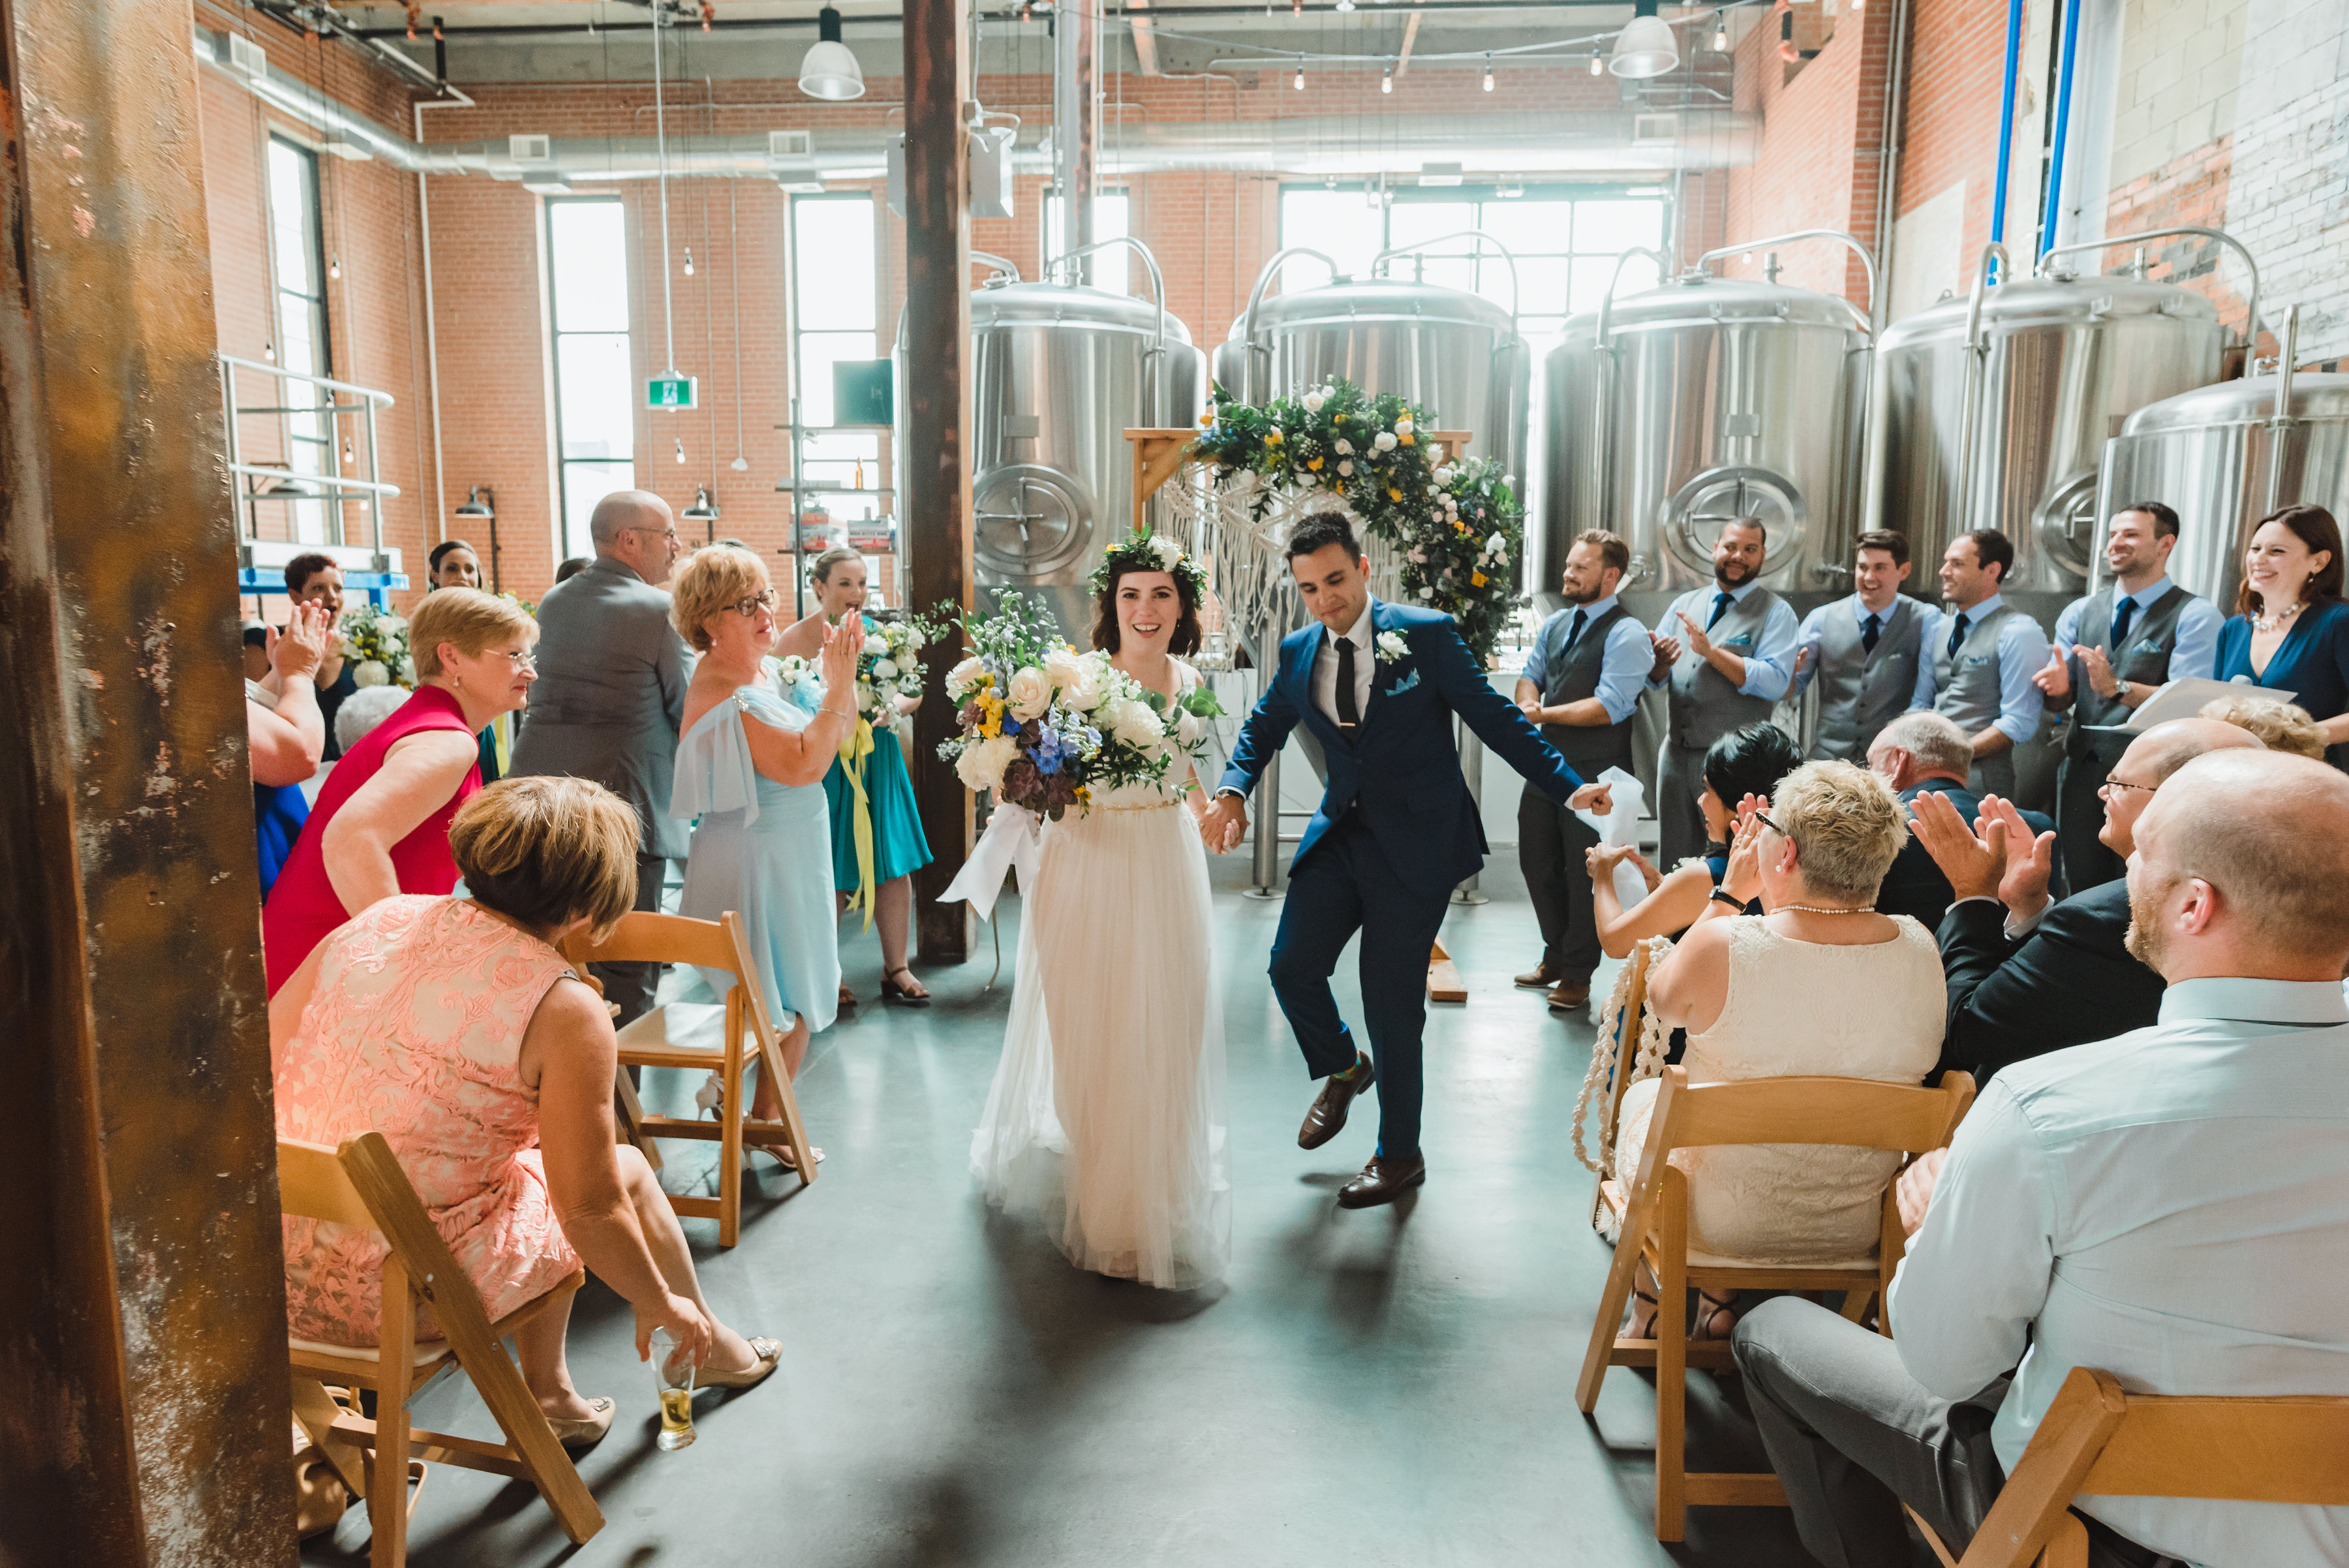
1154	805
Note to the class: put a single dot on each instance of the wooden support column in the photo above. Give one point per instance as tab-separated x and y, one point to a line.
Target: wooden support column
143	1383
934	467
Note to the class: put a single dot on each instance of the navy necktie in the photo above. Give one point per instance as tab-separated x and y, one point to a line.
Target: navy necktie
1720	608
1349	712
1869	633
2121	625
1574	631
1958	633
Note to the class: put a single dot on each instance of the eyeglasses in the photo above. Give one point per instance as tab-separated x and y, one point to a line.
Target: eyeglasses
748	608
2106	788
1763	818
521	661
668	533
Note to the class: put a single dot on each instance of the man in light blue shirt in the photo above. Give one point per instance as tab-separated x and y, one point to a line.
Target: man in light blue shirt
2170	1206
1984	660
1725	654
1870	653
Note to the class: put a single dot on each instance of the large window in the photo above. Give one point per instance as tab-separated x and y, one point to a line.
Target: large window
1565	241
595	382
295	238
836	315
1119	270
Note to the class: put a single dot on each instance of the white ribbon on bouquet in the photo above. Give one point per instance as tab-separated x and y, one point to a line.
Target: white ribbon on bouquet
1010	843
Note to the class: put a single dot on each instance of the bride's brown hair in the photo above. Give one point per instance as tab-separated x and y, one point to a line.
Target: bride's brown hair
1105	627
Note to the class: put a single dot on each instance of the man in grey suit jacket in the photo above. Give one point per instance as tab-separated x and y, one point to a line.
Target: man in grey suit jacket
611	695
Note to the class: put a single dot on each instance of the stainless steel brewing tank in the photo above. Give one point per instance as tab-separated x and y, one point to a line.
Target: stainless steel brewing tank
1455	354
1059	374
1715	398
2063	362
2215	457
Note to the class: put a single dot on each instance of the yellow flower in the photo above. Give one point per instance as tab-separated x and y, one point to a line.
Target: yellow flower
1314	463
1407	441
1394	494
1272	437
1477	578
1208	419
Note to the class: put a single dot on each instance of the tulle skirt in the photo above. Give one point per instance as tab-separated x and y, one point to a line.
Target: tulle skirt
1106	1116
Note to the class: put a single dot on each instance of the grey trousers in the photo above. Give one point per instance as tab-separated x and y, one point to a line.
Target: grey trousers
632	985
1551	844
1679	821
1993	775
1853	1436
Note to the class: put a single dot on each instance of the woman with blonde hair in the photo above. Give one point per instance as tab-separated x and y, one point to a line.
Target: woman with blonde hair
1820	983
381	826
454	1028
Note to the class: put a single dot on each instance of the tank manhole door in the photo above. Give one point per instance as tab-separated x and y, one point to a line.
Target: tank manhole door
1690	521
1029	521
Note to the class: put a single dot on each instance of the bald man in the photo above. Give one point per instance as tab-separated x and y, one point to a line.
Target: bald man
611	693
2027	975
2166	1205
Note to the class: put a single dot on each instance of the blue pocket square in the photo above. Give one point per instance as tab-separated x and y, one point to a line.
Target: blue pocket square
1404	685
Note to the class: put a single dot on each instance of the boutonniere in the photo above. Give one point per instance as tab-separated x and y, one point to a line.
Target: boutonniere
1393	647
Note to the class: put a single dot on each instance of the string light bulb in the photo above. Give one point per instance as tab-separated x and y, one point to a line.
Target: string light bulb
1488	73
1597	65
1719	36
1300	83
688	260
349	456
1386	81
334	264
680	449
269	352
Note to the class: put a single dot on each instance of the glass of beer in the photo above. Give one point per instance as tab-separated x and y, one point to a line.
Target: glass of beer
673	1379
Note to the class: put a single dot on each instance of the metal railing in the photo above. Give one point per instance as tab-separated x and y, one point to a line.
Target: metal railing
331	487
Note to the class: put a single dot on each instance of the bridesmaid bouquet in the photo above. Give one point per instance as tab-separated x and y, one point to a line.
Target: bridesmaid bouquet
890	667
1045	728
376	641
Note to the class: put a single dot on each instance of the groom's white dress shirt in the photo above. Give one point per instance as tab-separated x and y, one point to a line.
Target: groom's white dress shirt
2170	1206
1325	665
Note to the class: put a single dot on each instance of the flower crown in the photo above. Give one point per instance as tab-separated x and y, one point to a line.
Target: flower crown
1143	551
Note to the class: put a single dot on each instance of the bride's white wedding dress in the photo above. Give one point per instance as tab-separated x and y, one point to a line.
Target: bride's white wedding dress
1107	1112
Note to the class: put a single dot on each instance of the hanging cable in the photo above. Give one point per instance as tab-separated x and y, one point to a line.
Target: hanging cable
660	140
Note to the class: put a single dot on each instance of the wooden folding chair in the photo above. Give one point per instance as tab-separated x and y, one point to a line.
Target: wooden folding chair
1654	1216
1611	1110
647	1041
361	1184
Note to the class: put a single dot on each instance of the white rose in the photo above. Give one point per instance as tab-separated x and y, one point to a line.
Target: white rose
1346	469
1345	446
344	646
885	671
1386	440
392	623
1029	695
371	673
981	766
1135	724
1445	475
1435	453
1435	490
1060	665
1509	479
406	673
1496	544
1169	552
963	677
1313	401
915	640
875	645
1403	427
1083	689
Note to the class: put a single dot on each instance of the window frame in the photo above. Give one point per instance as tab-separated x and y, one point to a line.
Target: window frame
871	447
555	334
325	514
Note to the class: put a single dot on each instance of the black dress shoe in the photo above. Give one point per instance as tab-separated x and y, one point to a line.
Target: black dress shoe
1382	1181
1327	1119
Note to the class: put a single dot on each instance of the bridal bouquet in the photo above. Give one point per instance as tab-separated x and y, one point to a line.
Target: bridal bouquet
1044	727
376	641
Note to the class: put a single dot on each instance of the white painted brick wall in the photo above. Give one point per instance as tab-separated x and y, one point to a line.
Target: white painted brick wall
2288	197
2177	82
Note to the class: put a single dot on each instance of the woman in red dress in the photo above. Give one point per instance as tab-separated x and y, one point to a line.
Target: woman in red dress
381	826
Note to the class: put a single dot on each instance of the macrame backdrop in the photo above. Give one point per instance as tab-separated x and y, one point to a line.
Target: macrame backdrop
1215	520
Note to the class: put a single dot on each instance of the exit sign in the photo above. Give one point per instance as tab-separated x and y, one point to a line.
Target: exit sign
670	392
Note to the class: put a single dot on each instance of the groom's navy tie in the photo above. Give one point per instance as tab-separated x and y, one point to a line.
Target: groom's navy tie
1349	713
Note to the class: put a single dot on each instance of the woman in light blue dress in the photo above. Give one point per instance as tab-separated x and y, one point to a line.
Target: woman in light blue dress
750	766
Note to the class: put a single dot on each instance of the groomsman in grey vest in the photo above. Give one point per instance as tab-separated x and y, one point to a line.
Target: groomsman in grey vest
1581	686
1725	655
2114	649
1984	660
610	693
1871	653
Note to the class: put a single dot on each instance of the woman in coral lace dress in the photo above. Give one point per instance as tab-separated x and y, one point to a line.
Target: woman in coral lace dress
454	1028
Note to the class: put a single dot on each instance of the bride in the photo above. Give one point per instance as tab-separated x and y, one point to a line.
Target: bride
1107	1112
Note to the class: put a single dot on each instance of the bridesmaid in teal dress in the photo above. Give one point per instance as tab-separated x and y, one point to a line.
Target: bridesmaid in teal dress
899	847
750	766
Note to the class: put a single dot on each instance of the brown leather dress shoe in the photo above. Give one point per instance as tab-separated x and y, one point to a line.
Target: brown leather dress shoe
1541	977
1569	994
1327	1119
1382	1181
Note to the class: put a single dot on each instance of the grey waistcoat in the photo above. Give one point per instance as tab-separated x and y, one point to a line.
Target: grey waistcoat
1572	676
1967	685
1859	691
2152	639
1704	706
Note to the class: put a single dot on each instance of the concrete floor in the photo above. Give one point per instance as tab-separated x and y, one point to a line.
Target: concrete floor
1389	1388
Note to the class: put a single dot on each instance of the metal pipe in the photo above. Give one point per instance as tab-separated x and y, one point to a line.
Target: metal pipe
1867	262
1887	164
1421	248
2063	124
1003	265
1256	296
2280	424
1977	352
1157	292
1602	406
2252	324
2006	118
1264	863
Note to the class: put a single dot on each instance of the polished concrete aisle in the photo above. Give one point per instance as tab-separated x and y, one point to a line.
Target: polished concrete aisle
1390	1387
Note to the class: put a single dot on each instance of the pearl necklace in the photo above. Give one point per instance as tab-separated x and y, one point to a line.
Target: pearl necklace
1820	910
2281	618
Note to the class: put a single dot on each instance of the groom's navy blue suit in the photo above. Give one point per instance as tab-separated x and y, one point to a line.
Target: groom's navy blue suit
1397	831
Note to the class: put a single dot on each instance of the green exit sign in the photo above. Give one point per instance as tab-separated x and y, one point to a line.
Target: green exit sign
670	392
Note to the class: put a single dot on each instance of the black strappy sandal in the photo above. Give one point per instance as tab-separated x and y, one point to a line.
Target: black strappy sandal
892	991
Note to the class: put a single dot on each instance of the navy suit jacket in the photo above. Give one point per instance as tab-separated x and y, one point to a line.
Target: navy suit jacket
1402	771
2070	981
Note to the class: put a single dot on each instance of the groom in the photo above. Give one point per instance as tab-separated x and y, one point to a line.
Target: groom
1377	684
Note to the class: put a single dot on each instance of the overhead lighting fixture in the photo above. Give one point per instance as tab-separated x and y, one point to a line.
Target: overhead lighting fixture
1386	81
829	72
1719	36
1345	6
680	449
688	260
1597	65
1300	83
1488	73
478	503
1645	47
335	265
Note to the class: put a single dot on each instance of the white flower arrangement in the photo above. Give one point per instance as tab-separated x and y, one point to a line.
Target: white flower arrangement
1403	427
377	643
794	673
1384	440
1393	647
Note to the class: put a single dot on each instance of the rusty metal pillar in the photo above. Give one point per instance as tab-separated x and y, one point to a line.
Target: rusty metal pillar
143	1386
937	468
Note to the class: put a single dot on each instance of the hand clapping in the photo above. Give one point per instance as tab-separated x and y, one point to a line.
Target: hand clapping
1742	878
1699	644
1975	866
302	648
843	646
2030	862
2053	677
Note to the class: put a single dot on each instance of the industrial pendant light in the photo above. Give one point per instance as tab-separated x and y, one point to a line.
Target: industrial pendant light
1645	47
829	72
1488	73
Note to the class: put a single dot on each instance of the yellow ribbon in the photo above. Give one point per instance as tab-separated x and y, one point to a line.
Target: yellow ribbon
854	753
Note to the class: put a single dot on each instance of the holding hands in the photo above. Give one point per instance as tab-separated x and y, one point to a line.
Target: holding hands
1221	825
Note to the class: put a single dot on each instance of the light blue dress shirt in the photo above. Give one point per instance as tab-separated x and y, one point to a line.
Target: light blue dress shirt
2196	653
1814	631
1769	668
1623	668
2021	651
2170	1206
